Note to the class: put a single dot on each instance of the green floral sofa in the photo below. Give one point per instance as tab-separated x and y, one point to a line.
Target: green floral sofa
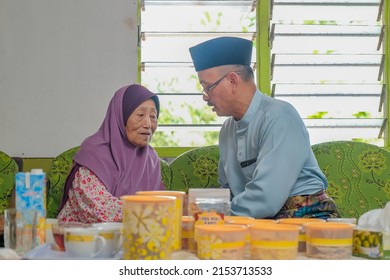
358	174
8	169
59	170
196	168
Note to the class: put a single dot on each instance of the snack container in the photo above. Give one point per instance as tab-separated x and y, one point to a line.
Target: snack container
300	222
148	227
209	206
220	242
188	242
371	244
30	194
244	221
329	240
273	241
177	217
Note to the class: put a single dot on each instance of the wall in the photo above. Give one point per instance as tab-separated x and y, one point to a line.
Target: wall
60	63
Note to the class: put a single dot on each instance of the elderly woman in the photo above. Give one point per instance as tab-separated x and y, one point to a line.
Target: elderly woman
117	160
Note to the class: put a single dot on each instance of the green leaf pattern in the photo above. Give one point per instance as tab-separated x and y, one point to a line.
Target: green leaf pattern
357	174
8	169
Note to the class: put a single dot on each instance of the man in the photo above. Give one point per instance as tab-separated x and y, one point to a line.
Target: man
265	153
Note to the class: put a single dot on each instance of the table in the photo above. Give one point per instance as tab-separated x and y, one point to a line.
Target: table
46	252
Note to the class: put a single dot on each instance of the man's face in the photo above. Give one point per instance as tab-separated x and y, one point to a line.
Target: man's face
216	87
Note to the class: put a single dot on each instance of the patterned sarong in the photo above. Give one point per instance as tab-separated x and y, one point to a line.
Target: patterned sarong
318	205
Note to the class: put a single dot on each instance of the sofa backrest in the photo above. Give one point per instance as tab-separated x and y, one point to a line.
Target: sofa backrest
8	170
196	168
56	177
358	175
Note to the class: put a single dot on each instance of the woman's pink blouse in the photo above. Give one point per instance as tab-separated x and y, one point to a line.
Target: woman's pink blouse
89	201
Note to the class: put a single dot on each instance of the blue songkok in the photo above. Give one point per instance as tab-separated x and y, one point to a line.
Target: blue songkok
221	51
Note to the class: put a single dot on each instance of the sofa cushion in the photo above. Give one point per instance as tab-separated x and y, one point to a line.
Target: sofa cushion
358	175
196	168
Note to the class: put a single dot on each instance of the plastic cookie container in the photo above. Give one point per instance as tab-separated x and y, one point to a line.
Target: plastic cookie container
273	241
300	222
329	240
188	242
221	242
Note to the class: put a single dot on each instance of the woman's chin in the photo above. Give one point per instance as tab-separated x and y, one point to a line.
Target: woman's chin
141	143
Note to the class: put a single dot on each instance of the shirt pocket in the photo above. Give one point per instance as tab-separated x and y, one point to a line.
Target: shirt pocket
247	168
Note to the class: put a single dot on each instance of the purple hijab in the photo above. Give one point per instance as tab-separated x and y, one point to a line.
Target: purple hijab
122	167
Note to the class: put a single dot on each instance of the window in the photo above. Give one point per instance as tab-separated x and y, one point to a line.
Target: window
325	53
327	60
168	30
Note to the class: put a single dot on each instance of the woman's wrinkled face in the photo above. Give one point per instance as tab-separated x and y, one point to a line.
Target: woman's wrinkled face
142	123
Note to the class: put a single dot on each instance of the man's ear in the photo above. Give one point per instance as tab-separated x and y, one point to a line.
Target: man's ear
234	80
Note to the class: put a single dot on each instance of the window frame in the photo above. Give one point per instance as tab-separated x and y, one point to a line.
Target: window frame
263	15
263	55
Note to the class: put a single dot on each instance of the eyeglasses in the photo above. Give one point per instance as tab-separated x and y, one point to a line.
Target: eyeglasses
206	91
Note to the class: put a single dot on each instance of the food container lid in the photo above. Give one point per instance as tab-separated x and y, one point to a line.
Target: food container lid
187	219
234	218
238	220
248	222
329	226
147	198
300	221
274	227
222	227
342	220
267	221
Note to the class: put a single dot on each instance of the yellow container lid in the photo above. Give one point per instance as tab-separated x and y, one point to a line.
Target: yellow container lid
238	220
221	228
329	226
235	218
342	220
275	227
187	219
255	221
300	221
146	198
249	222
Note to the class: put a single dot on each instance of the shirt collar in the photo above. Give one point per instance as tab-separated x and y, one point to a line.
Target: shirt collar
252	110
